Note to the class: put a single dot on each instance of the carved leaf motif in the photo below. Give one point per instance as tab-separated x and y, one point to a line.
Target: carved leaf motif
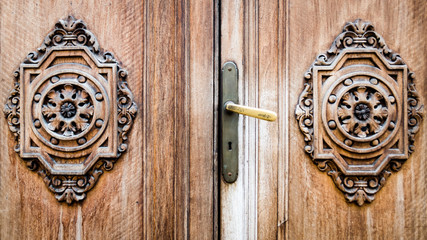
361	130
415	111
126	110
375	98
51	109
53	96
361	112
68	92
380	112
360	95
374	125
86	111
68	110
54	124
358	34
76	35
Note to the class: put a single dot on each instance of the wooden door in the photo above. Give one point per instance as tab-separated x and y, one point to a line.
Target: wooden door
167	183
280	193
164	186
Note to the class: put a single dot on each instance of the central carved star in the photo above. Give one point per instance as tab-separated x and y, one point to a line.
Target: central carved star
361	112
68	110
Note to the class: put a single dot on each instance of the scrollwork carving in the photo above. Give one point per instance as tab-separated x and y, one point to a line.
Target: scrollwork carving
352	112
70	188
304	115
126	110
358	34
415	111
77	113
12	112
67	32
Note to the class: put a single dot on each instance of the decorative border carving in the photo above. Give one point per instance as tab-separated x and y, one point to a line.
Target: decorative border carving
12	111
70	32
72	35
357	37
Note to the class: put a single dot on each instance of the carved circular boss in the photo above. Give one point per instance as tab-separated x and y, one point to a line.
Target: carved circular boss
361	113
70	110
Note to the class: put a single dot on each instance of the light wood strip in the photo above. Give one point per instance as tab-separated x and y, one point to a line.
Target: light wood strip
233	218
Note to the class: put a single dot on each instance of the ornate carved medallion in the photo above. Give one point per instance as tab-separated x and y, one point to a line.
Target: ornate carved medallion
70	110
359	112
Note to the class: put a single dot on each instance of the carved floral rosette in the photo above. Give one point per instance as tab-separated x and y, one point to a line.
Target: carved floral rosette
70	110
359	112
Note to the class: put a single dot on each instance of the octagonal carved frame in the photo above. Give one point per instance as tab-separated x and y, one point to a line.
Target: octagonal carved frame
70	110
359	112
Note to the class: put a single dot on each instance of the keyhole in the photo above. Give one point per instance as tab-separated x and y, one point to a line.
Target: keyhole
230	148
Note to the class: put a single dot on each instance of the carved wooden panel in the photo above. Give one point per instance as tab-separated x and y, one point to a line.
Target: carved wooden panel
70	110
359	112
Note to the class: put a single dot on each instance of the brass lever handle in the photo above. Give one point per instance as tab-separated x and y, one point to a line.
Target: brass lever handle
251	111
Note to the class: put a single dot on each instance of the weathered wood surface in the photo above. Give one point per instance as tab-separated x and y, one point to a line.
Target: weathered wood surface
280	193
252	35
164	186
28	209
317	209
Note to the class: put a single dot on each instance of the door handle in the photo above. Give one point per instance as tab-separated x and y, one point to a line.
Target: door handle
251	111
229	121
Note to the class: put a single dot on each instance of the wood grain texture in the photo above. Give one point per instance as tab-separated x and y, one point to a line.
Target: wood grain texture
251	32
317	210
233	202
163	36
29	211
266	83
374	105
273	43
164	186
179	160
203	70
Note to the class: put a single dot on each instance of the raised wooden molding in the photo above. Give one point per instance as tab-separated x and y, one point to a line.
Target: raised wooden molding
359	112
70	110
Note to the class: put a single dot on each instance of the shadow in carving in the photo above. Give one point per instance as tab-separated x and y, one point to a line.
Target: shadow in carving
70	110
359	112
